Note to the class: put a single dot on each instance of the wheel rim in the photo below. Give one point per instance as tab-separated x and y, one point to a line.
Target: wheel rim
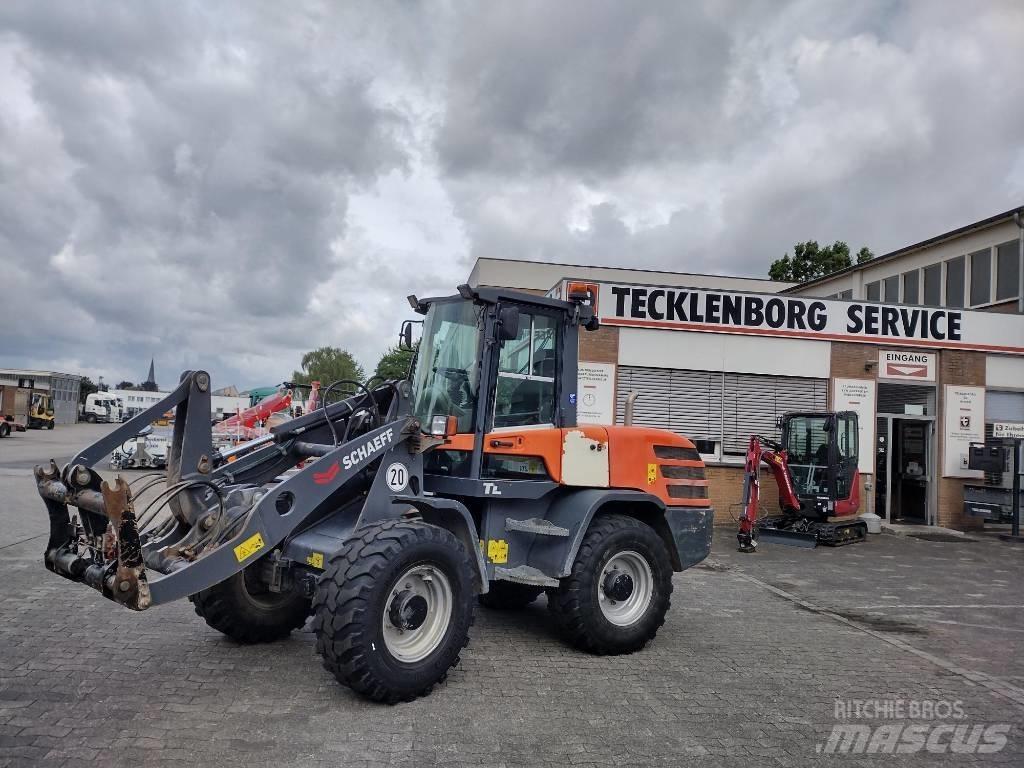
625	588
417	613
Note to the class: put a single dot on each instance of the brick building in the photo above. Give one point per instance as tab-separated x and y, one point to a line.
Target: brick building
719	358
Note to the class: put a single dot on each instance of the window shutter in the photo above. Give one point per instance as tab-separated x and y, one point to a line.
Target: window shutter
752	404
686	402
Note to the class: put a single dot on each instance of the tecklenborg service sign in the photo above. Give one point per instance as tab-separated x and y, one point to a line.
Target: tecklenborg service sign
715	311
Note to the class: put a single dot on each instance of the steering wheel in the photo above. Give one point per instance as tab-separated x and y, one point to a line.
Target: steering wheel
461	377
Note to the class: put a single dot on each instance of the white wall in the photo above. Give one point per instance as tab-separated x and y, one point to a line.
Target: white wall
723	352
1004	372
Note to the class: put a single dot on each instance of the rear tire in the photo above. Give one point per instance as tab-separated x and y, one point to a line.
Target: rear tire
393	609
244	610
616	597
5	429
90	418
508	596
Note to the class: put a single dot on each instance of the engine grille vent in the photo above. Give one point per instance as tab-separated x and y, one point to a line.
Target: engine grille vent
676	452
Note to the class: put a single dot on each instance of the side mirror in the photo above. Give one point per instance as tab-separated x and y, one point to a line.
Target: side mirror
508	323
405	335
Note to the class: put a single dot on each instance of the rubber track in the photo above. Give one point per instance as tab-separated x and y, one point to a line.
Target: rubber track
565	602
342	599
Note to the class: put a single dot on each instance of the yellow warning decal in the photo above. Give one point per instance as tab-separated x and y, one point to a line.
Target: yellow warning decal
497	551
316	559
249	547
652	473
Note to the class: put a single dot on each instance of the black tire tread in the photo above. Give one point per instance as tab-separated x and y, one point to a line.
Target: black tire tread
342	600
219	607
568	604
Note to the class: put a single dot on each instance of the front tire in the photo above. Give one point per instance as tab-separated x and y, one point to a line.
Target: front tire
49	424
5	429
90	418
616	597
393	609
246	611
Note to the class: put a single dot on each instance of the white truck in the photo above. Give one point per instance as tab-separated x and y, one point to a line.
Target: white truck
102	407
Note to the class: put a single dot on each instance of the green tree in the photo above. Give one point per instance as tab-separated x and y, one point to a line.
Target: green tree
125	385
811	261
394	364
85	388
327	365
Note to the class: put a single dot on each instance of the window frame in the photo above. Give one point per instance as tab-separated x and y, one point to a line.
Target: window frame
937	271
873	287
904	282
959	262
976	283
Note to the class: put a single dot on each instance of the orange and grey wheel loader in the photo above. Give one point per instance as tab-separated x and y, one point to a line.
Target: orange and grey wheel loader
385	514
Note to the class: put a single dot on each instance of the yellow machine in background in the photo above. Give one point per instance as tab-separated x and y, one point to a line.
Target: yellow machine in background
40	414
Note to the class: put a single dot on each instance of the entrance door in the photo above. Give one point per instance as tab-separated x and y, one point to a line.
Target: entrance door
904	470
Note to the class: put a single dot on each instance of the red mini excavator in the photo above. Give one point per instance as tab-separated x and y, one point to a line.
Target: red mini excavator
815	468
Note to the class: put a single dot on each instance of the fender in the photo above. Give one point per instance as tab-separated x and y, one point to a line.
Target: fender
453	516
686	531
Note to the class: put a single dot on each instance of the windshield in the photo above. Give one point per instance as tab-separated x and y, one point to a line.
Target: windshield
447	375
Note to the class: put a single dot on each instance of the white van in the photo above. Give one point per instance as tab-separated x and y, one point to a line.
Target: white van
102	407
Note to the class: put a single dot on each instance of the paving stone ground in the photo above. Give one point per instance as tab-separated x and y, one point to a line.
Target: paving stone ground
746	671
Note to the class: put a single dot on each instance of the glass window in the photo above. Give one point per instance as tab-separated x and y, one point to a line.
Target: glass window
527	366
847	294
873	291
892	289
807	450
446	378
955	282
933	285
981	277
848	443
1007	270
911	285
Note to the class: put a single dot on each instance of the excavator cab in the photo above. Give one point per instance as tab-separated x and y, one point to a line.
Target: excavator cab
821	453
814	465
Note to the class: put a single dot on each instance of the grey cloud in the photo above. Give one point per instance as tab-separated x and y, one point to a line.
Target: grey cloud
227	186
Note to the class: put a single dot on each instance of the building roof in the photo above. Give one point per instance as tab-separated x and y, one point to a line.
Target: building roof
999	218
31	372
536	275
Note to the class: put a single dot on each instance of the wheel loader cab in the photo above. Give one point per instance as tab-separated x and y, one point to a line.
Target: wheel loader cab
496	364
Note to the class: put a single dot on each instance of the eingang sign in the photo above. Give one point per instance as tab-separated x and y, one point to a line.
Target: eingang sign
721	311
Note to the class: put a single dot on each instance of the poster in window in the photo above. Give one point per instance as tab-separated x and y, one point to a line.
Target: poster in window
964	424
858	395
595	393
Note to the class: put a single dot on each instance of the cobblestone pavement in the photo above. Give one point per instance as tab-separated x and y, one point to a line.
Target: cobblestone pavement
746	671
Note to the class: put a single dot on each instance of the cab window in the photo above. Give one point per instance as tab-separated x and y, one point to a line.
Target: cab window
527	366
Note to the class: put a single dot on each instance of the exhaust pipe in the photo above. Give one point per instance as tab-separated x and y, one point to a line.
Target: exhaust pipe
627	416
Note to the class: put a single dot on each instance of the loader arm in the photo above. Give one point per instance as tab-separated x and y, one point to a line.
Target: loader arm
227	514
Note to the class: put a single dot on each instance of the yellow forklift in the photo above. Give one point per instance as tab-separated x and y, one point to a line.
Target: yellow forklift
40	414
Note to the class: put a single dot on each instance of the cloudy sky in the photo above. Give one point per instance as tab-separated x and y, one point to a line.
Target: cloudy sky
225	185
